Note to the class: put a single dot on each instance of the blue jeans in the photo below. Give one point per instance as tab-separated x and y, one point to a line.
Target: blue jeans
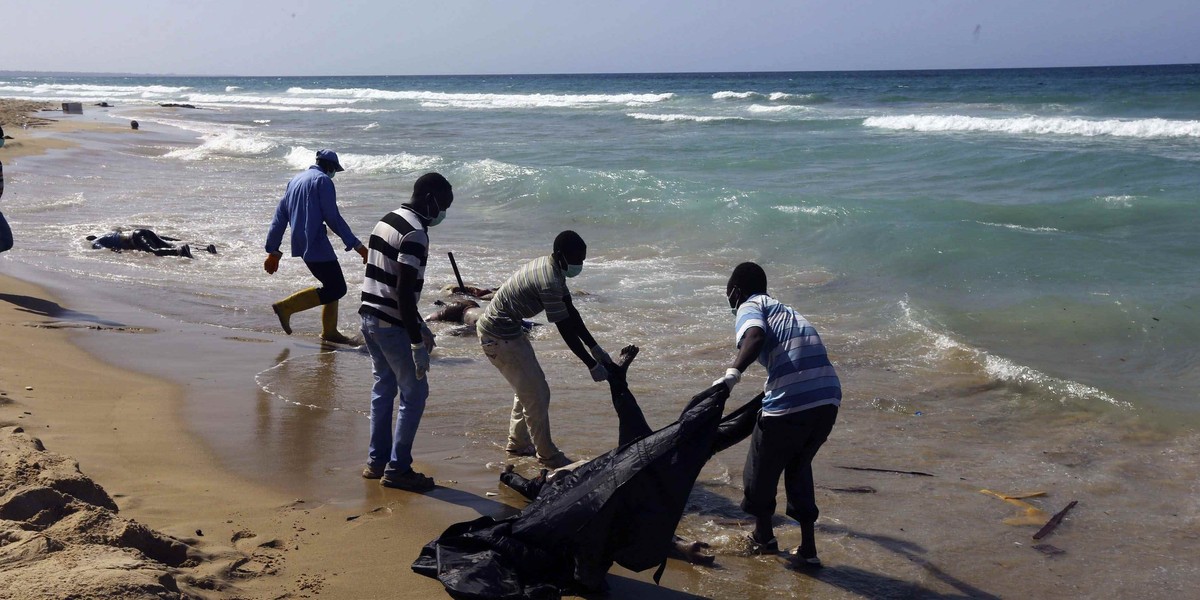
394	371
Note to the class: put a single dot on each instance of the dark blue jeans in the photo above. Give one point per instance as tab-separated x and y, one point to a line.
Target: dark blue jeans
394	371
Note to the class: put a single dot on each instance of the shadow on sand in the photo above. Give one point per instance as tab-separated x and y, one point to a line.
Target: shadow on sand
46	308
877	585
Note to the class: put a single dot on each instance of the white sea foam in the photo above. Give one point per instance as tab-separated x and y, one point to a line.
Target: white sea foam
262	121
728	95
232	88
778	108
480	101
1137	128
1005	370
228	143
1020	227
78	89
362	111
809	210
489	171
239	99
669	118
299	157
1118	201
370	126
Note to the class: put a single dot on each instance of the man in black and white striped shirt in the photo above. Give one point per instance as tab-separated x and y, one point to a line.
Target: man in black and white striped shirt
396	337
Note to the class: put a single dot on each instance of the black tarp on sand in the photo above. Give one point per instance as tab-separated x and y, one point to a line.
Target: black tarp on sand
621	507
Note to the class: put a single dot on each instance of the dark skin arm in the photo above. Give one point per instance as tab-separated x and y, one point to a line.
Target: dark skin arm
406	290
575	334
752	343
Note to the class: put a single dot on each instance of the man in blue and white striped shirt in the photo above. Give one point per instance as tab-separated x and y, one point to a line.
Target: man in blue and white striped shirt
396	337
800	405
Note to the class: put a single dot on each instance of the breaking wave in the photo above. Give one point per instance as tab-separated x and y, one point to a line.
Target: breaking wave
228	143
1138	128
465	100
671	118
299	157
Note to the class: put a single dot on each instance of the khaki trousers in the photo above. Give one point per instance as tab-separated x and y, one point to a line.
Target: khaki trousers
530	420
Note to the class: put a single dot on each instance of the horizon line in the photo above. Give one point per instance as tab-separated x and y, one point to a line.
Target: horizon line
22	73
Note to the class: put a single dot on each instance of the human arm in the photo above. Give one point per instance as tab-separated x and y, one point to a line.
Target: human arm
751	337
279	224
327	199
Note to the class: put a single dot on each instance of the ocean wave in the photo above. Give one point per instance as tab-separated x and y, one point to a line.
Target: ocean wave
262	121
1123	201
466	100
267	100
370	126
809	210
489	171
779	108
228	143
1021	227
670	118
77	89
232	88
728	95
1007	371
361	111
299	157
784	97
1138	128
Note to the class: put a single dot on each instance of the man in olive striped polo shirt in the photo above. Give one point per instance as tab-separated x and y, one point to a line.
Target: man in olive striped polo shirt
538	286
396	337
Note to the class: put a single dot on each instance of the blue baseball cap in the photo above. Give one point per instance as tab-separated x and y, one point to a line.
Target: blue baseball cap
330	156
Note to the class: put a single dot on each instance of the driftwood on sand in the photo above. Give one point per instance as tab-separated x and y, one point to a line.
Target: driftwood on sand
873	469
1054	521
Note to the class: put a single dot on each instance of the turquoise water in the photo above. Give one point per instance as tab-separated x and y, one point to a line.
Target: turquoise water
1039	220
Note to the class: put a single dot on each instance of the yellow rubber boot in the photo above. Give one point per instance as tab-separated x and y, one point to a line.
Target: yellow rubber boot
329	330
302	300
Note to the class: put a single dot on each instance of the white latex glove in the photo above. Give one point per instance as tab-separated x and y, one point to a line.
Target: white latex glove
731	378
600	355
599	373
420	359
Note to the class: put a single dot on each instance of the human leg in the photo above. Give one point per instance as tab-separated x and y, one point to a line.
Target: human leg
530	420
383	396
811	427
6	237
300	301
760	478
333	287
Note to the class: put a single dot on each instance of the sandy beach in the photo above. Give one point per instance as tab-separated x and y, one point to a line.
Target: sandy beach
232	443
128	433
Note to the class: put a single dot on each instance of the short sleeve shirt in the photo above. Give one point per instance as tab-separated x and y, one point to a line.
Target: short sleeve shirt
539	285
799	374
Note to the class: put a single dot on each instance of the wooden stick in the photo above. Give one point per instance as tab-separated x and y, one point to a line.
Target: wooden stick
888	471
461	288
1054	521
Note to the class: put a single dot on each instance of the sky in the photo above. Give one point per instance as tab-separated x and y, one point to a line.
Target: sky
398	37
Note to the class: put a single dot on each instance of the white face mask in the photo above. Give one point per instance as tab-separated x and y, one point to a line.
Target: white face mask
441	216
574	270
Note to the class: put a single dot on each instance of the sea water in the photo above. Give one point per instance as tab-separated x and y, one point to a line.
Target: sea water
1005	248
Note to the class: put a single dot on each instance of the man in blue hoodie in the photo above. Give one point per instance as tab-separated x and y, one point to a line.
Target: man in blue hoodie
310	204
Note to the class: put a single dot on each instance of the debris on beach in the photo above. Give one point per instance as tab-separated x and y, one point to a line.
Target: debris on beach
1054	521
1030	515
876	470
